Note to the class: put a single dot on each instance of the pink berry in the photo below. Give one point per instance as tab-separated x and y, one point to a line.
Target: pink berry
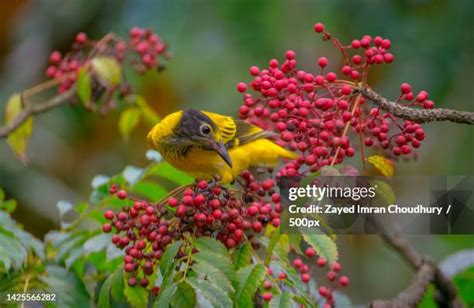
81	38
319	27
241	87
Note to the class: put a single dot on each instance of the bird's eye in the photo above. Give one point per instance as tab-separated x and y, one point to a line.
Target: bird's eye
205	129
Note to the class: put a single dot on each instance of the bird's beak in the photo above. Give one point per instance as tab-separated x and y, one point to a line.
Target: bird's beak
220	148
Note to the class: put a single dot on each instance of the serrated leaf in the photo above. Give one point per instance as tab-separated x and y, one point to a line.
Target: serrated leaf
295	241
136	296
220	261
250	278
383	165
207	270
216	296
323	245
83	86
242	256
167	261
107	69
165	296
184	297
282	300
17	139
129	119
104	294
209	244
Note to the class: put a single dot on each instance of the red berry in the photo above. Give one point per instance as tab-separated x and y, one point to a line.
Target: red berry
336	266
355	44
55	57
254	70
405	88
323	62
267	296
109	215
310	252
282	275
81	38
122	194
241	87
267	284
344	281
290	54
319	27
106	228
173	202
132	281
305	277
297	263
321	262
323	291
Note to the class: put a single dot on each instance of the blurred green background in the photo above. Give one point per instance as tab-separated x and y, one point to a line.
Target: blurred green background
213	43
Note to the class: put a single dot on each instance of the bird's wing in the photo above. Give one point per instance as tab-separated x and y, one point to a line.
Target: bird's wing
246	132
234	132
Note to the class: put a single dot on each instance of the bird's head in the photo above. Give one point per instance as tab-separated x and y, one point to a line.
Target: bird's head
192	128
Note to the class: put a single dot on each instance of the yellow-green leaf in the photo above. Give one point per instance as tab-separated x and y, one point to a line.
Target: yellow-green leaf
129	119
150	116
17	140
83	86
382	164
107	69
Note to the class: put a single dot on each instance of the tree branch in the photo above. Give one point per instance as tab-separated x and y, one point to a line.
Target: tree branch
31	109
418	115
427	272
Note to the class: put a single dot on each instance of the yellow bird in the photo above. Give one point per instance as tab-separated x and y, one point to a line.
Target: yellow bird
206	144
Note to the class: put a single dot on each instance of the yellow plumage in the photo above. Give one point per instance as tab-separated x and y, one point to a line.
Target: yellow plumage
206	144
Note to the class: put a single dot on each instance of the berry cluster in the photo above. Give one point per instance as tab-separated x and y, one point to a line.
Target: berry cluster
144	49
204	209
314	112
333	276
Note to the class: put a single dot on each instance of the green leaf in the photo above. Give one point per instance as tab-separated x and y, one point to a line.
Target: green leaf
295	241
167	261
184	297
83	86
220	261
323	245
69	290
2	195
216	296
104	294
242	256
149	190
274	240
282	300
250	278
166	171
118	286
209	244
107	69
207	270
165	296
150	116
9	206
136	296
129	119
17	140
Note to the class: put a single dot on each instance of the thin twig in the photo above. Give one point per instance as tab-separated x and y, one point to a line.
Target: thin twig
32	109
427	272
417	115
